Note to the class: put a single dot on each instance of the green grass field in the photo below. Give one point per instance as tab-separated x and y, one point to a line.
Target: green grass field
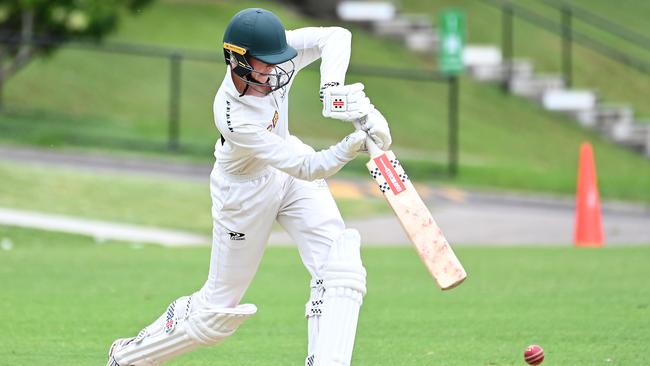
65	298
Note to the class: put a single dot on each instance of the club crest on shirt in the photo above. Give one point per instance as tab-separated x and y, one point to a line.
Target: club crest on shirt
274	121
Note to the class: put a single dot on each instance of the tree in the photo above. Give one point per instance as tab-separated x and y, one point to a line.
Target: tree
29	28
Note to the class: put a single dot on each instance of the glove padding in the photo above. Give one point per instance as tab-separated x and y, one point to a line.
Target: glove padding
354	143
377	128
346	102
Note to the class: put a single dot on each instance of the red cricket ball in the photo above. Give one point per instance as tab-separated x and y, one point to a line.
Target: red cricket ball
534	354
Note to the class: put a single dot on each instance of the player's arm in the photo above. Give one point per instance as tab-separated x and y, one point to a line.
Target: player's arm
331	44
291	156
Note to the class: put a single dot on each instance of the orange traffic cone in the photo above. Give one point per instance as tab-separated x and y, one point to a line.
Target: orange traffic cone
588	229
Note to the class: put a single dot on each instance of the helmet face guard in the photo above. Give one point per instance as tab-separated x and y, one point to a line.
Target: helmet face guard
236	57
258	33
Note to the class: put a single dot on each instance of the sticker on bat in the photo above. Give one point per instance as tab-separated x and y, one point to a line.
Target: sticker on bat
386	168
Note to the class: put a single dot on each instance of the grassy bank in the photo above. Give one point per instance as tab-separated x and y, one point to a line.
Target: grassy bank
113	103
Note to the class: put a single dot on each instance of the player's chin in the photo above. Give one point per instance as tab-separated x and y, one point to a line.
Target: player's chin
260	82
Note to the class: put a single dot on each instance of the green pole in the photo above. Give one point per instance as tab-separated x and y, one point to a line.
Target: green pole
174	100
450	62
507	43
567	67
453	126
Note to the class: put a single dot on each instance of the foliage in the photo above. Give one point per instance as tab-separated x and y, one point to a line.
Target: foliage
49	22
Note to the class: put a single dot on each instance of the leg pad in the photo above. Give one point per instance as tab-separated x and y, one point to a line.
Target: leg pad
179	330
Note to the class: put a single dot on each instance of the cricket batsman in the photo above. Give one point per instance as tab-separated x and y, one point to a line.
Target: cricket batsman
264	174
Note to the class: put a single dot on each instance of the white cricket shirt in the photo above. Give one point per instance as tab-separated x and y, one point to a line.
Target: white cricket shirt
256	129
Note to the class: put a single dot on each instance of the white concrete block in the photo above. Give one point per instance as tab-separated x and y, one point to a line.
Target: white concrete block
394	28
520	68
486	72
481	55
632	134
569	100
536	86
364	11
422	41
586	118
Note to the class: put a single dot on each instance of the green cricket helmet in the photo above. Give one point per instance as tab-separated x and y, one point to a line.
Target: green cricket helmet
258	33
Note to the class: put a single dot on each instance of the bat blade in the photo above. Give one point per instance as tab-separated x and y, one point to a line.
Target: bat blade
416	219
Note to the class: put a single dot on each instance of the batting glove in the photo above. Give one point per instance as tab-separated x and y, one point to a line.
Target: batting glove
377	128
345	102
353	143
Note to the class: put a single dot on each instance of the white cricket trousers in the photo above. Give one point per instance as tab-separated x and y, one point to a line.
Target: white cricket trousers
243	211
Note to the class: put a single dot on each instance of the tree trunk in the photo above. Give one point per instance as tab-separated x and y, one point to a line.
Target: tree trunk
26	34
25	49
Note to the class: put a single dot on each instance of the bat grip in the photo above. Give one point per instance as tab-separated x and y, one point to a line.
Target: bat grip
373	149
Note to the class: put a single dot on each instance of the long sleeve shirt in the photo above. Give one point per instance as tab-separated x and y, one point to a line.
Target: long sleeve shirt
256	129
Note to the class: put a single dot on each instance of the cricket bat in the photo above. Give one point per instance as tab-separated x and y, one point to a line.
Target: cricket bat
415	218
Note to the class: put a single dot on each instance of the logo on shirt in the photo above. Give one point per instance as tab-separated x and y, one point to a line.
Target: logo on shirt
274	121
235	235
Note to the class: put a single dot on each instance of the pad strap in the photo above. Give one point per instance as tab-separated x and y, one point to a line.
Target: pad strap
314	306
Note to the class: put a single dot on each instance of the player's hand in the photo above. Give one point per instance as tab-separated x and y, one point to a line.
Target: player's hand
354	143
377	128
345	102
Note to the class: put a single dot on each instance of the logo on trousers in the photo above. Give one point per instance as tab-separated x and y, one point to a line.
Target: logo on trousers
235	235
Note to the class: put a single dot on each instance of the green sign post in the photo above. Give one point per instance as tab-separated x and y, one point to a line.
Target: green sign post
450	64
451	28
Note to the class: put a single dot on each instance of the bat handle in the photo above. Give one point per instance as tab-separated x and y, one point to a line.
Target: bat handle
373	149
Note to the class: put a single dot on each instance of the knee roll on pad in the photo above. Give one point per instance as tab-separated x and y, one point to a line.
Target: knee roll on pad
179	330
344	268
